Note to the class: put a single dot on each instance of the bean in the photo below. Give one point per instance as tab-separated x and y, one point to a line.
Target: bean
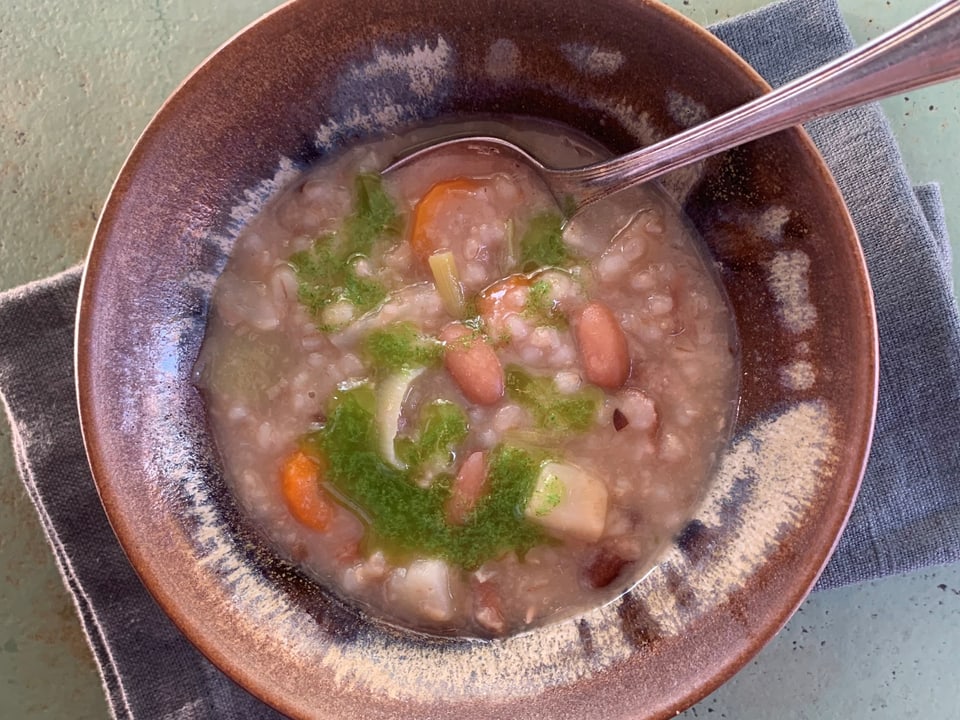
473	365
603	568
488	609
603	346
468	488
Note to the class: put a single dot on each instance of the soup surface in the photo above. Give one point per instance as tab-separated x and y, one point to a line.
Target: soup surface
445	405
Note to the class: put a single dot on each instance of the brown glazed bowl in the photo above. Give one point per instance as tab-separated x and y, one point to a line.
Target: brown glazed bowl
316	75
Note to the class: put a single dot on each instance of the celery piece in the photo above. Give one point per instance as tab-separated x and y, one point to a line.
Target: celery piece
552	410
511	245
447	279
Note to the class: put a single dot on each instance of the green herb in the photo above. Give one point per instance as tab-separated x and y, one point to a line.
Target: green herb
363	293
541	308
373	216
443	425
404	519
542	243
399	346
548	495
327	271
497	523
471	314
551	409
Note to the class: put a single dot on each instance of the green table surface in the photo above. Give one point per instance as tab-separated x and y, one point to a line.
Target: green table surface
79	81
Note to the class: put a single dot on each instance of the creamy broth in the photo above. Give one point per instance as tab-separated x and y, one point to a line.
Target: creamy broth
446	407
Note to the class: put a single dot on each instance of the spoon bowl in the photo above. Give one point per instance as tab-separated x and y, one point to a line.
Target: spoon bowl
922	51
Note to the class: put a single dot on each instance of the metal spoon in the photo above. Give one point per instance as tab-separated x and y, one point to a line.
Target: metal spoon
923	51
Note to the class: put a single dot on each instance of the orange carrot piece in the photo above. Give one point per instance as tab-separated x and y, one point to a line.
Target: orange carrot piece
501	298
429	207
306	500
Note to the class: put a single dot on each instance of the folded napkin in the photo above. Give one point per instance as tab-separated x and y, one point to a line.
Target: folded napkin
907	515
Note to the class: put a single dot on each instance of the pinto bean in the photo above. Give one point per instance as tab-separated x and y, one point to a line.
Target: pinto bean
603	346
473	365
603	568
467	488
488	609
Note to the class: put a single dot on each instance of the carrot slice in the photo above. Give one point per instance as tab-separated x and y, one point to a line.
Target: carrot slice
428	209
306	500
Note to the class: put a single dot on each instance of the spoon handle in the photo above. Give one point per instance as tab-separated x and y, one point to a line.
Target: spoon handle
922	51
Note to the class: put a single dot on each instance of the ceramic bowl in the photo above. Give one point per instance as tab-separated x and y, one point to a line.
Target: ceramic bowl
317	75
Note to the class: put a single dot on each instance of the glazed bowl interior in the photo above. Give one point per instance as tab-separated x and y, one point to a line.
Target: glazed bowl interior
315	76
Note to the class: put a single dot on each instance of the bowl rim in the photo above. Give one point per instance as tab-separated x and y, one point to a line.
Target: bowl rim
146	566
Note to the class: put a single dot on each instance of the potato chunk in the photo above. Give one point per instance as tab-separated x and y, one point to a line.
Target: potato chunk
423	588
568	502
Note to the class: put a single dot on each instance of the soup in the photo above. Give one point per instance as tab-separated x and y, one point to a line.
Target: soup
445	404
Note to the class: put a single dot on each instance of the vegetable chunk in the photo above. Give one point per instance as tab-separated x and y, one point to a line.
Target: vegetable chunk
568	502
300	482
429	208
423	588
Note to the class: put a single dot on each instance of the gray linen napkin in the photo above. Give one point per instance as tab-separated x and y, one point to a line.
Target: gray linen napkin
907	515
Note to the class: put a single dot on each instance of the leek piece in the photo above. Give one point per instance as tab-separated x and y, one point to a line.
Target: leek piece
390	396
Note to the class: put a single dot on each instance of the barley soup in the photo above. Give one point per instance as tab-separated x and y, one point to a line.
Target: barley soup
447	406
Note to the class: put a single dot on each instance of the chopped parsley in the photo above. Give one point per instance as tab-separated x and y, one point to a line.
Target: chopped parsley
373	216
542	243
405	519
541	308
443	425
327	272
552	410
400	346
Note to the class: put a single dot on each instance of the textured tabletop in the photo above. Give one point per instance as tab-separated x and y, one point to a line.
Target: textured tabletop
80	81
